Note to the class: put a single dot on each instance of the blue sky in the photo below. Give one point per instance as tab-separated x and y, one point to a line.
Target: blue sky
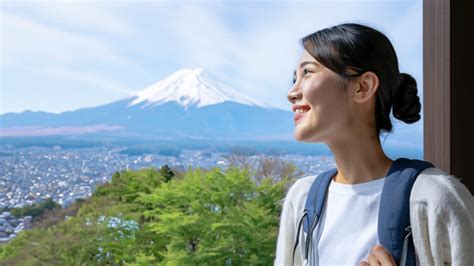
63	55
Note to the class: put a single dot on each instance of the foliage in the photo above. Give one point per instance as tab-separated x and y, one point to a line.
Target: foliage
166	173
148	217
213	216
36	209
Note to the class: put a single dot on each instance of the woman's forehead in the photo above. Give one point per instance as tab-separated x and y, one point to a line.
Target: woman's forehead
306	56
306	59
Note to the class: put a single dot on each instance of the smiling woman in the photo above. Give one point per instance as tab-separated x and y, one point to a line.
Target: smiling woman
370	209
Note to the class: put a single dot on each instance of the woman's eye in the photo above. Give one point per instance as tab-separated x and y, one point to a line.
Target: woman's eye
305	71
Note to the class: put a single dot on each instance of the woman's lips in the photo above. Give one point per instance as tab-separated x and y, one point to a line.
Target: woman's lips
298	116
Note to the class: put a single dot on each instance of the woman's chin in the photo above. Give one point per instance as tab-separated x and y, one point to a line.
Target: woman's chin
300	135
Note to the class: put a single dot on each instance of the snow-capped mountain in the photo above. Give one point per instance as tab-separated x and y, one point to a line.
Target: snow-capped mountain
189	103
191	87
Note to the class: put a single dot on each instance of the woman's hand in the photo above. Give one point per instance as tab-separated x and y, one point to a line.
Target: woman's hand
378	256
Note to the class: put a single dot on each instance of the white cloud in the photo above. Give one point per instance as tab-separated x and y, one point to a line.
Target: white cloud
89	78
202	39
96	16
28	43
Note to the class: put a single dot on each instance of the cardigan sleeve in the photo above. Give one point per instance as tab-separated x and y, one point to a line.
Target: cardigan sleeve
286	234
288	225
442	218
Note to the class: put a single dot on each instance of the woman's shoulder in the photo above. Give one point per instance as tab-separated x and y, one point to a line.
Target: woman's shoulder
435	187
297	193
442	218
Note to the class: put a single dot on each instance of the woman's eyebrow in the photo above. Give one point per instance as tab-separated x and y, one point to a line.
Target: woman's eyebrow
307	63
304	64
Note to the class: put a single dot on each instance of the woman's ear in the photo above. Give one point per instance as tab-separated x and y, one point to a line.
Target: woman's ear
366	86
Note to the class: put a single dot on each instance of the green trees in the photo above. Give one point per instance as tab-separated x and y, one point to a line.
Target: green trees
210	216
147	217
36	209
166	173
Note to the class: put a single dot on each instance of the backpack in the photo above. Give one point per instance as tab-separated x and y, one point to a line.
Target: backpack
394	229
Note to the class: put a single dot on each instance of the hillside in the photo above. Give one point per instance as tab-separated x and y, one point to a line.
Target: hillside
153	216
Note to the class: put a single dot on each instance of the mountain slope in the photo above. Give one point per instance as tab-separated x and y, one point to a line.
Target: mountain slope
191	87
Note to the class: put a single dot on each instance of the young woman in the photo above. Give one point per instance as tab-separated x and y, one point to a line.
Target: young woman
346	83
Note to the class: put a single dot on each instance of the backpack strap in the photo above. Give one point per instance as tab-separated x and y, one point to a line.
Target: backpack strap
394	212
314	204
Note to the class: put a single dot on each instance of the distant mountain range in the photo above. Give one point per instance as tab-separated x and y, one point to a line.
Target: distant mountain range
188	104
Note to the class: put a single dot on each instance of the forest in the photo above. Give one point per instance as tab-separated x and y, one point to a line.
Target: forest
159	216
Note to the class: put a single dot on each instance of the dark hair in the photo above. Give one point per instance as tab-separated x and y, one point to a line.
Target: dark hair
352	49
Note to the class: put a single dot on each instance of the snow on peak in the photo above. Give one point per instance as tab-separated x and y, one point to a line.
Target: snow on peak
191	87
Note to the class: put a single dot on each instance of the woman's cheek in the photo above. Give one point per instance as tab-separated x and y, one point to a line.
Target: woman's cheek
311	92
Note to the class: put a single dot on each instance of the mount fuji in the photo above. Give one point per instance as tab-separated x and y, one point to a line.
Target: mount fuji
191	87
188	104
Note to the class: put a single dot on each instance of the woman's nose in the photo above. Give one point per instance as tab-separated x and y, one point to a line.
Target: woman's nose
294	95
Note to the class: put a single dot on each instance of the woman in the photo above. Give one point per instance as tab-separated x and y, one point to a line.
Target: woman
345	85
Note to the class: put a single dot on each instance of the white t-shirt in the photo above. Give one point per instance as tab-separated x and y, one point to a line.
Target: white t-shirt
347	229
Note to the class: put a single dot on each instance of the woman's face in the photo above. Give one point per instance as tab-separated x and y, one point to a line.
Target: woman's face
321	94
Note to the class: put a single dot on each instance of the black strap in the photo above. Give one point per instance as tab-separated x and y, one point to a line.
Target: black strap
297	240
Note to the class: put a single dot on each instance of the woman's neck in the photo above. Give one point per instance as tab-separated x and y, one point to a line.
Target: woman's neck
359	160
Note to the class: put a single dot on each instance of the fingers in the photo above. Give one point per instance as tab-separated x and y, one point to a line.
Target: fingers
373	261
382	256
378	256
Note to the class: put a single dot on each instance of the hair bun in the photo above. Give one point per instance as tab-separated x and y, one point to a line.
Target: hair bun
406	103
